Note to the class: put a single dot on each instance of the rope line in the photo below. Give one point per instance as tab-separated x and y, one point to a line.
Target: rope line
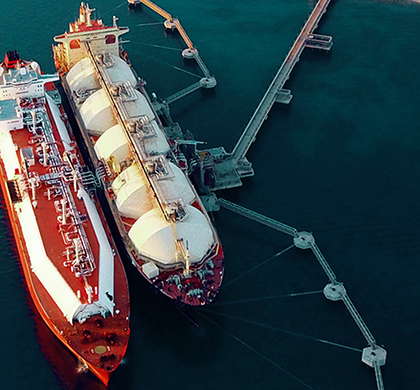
282	330
113	9
257	266
264	298
159	46
254	350
7	271
148	24
165	63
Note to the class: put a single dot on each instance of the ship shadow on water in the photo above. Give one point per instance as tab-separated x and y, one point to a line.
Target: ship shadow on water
169	337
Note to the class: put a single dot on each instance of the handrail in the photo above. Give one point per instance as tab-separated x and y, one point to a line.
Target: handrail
282	75
157	9
335	290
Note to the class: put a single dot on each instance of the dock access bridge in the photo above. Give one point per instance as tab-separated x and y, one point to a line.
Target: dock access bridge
171	23
373	355
218	168
229	168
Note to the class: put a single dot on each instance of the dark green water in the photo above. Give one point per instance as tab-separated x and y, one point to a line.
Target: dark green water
342	161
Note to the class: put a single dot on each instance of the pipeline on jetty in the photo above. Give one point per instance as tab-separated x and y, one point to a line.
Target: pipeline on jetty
219	169
275	92
373	355
223	170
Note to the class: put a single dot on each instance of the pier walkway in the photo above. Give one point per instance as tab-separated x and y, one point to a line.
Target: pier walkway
230	168
275	91
208	81
184	92
157	9
373	355
227	169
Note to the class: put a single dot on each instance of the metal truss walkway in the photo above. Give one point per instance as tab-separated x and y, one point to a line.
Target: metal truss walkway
275	91
373	355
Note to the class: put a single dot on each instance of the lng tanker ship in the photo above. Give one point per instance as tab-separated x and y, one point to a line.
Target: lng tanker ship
72	270
161	219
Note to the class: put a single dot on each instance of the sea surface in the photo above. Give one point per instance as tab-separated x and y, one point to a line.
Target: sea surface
341	161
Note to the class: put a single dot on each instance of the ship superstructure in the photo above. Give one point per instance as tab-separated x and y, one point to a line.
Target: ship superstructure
163	223
73	271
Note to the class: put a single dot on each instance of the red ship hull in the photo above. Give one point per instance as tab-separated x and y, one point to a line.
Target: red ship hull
68	299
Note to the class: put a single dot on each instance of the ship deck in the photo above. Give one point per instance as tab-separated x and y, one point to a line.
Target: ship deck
100	342
196	288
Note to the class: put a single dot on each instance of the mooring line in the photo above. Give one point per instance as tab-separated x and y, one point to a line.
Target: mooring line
165	63
304	293
283	330
160	46
113	9
7	271
148	24
257	266
249	300
254	350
